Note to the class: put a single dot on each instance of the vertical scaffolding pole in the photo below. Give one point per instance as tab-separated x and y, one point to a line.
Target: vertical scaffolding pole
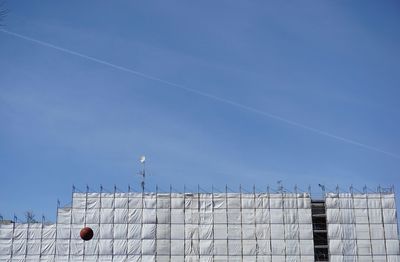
156	242
27	239
41	238
383	222
100	209
340	218
113	222
213	222
84	223
283	221
141	226
170	221
241	221
255	220
298	221
369	222
270	222
184	223
227	221
12	239
354	215
198	220
70	224
127	220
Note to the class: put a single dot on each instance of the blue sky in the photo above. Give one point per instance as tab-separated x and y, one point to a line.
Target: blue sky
330	66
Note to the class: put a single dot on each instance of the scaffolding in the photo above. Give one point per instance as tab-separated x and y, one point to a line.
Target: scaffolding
362	227
201	226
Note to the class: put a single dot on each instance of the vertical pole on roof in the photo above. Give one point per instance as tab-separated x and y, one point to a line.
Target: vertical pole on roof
198	219
342	238
41	236
184	221
395	212
141	222
227	221
143	171
113	220
100	209
383	221
27	237
270	224
297	218
354	216
156	221
70	223
283	218
170	223
255	220
241	220
127	219
12	239
213	223
369	223
86	202
55	237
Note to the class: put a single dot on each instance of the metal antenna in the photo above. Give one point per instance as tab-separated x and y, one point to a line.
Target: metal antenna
142	173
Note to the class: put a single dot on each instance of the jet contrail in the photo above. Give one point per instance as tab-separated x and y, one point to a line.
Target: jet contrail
203	94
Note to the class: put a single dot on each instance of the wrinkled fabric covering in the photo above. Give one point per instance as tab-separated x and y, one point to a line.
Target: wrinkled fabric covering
206	227
362	227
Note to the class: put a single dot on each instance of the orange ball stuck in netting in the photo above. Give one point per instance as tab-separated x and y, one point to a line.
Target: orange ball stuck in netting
86	233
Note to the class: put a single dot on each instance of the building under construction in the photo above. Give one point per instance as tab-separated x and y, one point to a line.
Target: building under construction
227	226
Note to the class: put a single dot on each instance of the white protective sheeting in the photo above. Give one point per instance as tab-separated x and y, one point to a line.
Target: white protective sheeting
206	227
362	227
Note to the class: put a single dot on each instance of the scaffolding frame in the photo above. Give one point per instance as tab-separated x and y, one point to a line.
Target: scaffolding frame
263	213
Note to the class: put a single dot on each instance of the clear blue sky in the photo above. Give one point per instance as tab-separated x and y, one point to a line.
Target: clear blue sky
66	119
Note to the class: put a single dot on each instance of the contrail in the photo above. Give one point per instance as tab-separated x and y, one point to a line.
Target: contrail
204	94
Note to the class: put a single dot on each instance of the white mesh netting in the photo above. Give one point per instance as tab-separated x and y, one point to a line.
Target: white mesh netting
206	227
362	227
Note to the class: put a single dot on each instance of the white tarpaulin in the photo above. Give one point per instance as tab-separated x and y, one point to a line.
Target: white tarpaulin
206	227
362	227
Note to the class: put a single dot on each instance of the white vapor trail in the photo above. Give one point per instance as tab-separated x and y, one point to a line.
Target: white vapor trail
204	94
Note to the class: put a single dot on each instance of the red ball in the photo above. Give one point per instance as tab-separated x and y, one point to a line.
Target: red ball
86	233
